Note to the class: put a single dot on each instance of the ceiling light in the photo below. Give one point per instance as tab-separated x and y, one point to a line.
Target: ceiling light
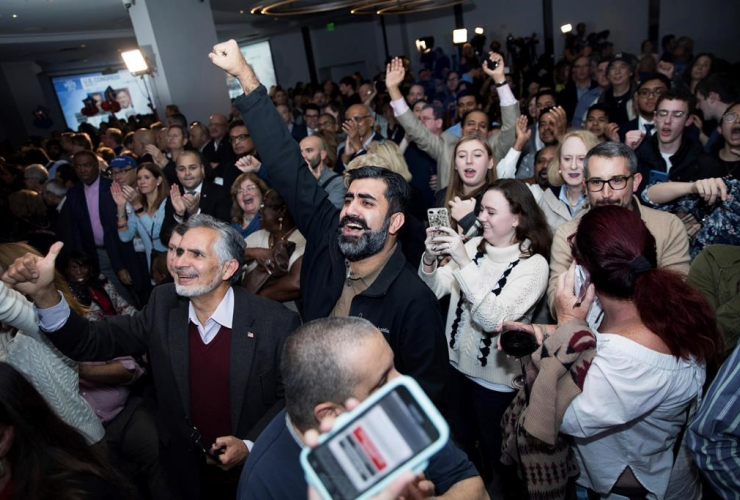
15	16
478	31
566	28
135	62
460	36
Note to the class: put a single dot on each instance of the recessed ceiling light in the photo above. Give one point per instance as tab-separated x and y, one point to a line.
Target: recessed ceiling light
241	12
15	16
83	45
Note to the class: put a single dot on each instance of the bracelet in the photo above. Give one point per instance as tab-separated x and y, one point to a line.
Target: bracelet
497	85
121	226
139	211
428	264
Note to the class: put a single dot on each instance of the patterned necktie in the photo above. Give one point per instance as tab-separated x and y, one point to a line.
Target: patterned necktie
649	129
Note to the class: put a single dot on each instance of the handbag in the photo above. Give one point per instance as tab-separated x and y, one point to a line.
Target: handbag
259	277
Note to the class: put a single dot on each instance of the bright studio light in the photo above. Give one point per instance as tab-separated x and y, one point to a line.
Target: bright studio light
460	36
566	28
135	62
478	31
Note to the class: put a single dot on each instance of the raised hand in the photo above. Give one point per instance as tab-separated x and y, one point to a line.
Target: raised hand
566	303
496	73
561	122
448	242
33	275
248	164
117	193
158	156
131	194
461	208
612	132
229	58
191	202
523	132
634	138
177	202
666	68
394	73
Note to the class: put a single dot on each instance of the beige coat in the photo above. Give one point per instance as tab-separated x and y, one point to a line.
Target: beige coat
556	212
442	147
670	238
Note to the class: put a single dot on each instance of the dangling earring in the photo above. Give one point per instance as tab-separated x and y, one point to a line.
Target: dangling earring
280	220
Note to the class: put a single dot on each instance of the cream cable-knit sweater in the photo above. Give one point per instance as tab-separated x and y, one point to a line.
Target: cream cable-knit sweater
483	310
52	373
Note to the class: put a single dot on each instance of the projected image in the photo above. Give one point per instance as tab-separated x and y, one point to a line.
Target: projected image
259	56
93	97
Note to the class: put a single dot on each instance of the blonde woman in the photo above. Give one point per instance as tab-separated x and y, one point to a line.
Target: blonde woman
566	199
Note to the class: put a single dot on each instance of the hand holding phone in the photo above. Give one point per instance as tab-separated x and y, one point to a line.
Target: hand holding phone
394	431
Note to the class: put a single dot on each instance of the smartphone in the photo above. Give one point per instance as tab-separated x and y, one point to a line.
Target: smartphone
492	63
582	283
658	176
397	429
438	217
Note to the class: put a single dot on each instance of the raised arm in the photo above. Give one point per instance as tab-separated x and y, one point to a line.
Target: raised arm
431	144
313	212
504	140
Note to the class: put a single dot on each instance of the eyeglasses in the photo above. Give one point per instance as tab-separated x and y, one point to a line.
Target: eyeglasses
121	171
358	119
616	183
651	92
240	137
246	190
663	113
310	116
730	117
263	206
326	123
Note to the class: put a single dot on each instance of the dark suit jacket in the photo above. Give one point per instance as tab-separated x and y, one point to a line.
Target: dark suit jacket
223	155
628	127
299	132
161	329
215	201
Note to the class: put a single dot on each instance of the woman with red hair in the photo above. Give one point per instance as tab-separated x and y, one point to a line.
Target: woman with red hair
652	347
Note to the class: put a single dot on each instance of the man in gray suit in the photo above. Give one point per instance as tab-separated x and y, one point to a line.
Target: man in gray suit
214	350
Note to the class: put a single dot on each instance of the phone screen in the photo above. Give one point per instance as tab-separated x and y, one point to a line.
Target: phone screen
377	442
438	217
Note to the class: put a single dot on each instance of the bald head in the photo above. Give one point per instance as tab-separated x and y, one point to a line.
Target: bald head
363	118
218	125
142	138
314	152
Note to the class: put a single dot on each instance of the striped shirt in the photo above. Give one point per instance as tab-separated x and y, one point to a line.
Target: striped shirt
714	435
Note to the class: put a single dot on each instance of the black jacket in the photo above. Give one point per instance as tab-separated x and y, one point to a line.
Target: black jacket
215	201
398	303
568	97
161	329
687	165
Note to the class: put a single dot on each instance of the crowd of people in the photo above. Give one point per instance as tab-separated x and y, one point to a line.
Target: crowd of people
183	303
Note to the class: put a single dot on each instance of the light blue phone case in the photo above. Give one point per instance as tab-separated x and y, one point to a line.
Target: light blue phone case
417	463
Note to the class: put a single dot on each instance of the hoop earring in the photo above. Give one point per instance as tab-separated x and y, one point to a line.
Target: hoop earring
280	220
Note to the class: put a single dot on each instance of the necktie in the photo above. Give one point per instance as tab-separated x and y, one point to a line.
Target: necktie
649	129
191	193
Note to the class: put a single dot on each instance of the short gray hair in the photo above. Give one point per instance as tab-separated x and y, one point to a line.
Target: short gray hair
611	150
229	246
315	367
56	187
37	171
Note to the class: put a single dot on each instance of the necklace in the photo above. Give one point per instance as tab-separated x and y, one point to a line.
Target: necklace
281	238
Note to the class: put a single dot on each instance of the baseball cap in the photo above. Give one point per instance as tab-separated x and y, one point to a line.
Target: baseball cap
122	162
625	58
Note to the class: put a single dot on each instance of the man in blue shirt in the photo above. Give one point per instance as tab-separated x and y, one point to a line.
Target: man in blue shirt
324	363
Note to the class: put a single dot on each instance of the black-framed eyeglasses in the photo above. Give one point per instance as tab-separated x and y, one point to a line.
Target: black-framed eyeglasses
240	137
121	171
616	183
729	117
651	92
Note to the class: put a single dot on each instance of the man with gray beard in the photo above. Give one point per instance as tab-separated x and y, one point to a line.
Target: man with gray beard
214	349
353	265
314	152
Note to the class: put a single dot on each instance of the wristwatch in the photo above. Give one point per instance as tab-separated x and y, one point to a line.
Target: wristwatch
500	84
